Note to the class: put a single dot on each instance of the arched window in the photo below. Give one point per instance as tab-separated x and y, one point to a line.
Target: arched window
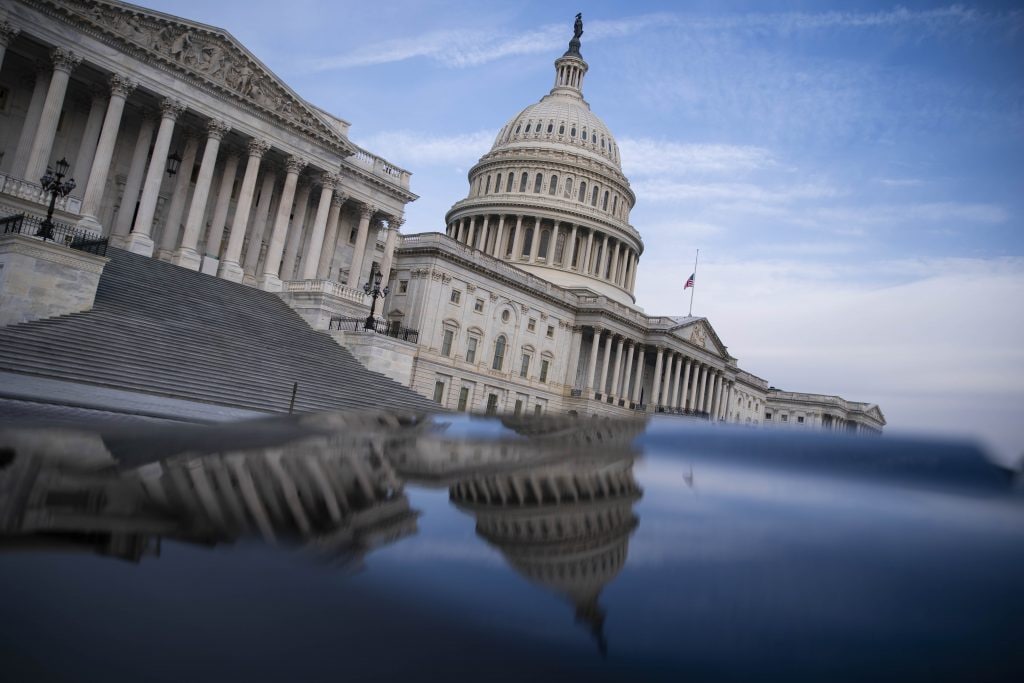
527	241
593	197
497	183
615	203
508	185
604	202
522	182
583	135
517	129
537	182
487	187
561	129
572	132
545	238
499	353
602	142
551	127
593	138
527	128
568	187
553	185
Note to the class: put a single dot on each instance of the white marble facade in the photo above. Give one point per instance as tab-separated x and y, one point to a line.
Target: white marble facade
524	303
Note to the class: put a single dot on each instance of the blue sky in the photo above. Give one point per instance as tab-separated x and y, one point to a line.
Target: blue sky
852	173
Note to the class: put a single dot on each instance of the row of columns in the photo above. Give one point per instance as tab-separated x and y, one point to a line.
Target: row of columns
679	382
179	242
585	250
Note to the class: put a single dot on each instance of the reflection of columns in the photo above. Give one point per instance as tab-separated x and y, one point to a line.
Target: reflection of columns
638	385
270	281
187	255
90	136
315	242
258	226
297	227
359	252
697	367
230	268
394	224
592	367
133	181
179	195
64	62
8	32
323	269
28	128
139	241
681	403
120	88
656	387
223	205
602	384
616	373
628	373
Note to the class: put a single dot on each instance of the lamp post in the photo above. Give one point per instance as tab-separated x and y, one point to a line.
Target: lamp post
173	164
373	289
54	183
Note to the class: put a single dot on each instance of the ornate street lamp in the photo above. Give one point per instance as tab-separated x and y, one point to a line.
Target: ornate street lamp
54	183
372	288
173	163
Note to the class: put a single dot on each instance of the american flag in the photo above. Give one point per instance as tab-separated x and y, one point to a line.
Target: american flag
689	281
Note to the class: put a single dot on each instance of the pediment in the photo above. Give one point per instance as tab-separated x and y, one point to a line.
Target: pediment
699	333
205	54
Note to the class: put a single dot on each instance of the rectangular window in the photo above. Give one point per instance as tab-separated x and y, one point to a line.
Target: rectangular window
800	419
403	286
439	392
544	370
492	399
785	418
463	397
538	409
519	407
446	343
471	350
531	325
456	296
524	367
478	305
551	331
767	416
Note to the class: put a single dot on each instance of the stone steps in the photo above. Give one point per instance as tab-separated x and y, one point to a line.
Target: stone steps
161	329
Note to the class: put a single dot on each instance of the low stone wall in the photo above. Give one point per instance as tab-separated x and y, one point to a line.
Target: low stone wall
391	357
317	301
42	279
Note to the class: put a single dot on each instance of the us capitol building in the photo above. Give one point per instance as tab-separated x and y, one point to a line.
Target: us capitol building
185	148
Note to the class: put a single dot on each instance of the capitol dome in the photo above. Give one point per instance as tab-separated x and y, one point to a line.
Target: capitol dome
550	196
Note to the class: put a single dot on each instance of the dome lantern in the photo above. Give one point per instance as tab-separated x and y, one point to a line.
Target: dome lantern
570	67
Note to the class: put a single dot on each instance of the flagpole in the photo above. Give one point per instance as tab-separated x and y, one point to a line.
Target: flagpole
694	288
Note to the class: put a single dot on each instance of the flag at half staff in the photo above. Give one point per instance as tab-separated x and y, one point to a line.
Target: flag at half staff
689	281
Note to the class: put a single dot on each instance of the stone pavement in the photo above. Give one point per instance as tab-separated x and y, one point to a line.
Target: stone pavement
42	390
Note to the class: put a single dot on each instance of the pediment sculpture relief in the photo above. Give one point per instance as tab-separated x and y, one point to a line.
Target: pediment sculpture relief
698	336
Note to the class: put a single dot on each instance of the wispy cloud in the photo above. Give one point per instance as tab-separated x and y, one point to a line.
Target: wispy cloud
647	156
409	148
658	190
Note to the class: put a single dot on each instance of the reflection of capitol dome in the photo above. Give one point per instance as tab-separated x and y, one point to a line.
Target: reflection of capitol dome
563	526
550	196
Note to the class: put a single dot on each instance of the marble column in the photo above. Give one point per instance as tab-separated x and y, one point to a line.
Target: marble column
638	385
315	243
702	390
230	268
584	260
628	372
602	385
666	391
496	250
90	136
471	232
592	367
139	241
656	388
394	224
296	229
261	219
220	210
573	361
28	129
359	252
8	32
187	255
179	198
686	384
270	281
133	181
323	269
674	397
517	242
64	62
712	402
615	263
697	367
616	372
569	250
120	88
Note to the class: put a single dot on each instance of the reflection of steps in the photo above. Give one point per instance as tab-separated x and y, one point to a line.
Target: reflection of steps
161	329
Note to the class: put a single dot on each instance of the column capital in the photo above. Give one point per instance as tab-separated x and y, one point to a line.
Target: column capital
216	129
395	222
171	108
64	59
366	211
121	86
8	32
295	164
258	147
330	181
339	197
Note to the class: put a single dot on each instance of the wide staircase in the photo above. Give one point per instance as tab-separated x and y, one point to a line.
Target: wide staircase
161	329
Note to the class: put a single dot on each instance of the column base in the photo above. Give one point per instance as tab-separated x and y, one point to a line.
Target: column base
89	223
119	241
249	280
231	271
187	258
270	283
137	243
165	255
209	266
